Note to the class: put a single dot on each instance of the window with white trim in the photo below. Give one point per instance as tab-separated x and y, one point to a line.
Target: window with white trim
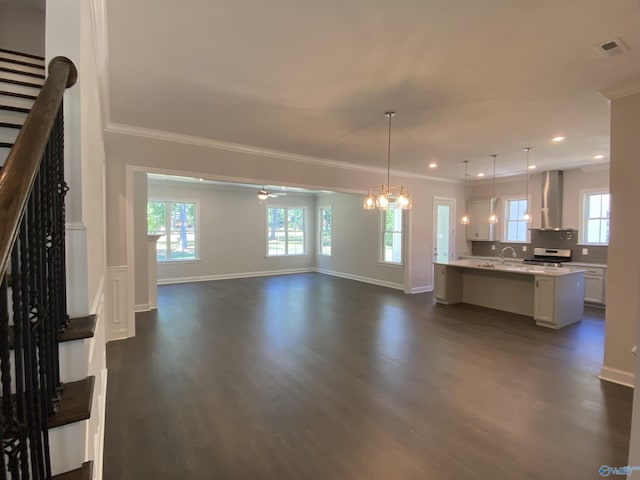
516	229
176	223
391	241
595	217
326	229
285	231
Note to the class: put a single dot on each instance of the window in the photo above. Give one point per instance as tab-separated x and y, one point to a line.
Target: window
178	221
595	217
391	220
326	227
515	228
285	231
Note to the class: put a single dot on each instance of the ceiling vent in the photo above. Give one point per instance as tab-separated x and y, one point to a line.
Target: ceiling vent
612	47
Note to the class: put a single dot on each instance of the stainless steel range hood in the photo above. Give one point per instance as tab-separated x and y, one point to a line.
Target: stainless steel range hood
551	211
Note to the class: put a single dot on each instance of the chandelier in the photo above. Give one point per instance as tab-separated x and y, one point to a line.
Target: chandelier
387	193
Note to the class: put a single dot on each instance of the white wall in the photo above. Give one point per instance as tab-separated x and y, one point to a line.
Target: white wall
231	231
356	242
623	300
92	158
70	32
129	150
141	243
623	275
573	181
22	28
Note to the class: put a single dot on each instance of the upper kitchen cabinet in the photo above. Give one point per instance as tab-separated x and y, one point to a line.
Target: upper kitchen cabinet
479	227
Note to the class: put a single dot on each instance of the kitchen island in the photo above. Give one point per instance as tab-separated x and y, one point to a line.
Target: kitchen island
552	296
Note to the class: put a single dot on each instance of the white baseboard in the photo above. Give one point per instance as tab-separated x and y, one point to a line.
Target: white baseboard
228	276
98	454
143	307
358	278
422	289
621	377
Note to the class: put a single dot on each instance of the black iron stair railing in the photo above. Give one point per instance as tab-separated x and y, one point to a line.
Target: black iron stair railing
32	280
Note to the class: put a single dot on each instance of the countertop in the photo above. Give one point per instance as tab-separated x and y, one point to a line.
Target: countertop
519	260
518	269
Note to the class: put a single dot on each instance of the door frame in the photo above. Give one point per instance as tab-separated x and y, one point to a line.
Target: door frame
434	226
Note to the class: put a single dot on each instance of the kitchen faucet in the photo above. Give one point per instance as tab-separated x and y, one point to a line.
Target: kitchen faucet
502	253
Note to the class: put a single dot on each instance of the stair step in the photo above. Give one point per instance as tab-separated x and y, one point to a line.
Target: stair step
12	101
8	135
7	116
79	328
22	56
12	88
18	95
13	65
4	153
25	62
13	125
19	71
11	108
75	404
82	473
17	79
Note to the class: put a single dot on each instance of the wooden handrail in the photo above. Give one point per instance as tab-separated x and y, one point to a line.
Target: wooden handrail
23	162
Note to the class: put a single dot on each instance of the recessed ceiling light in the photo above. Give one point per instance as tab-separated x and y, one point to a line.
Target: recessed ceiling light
531	167
433	165
481	174
598	157
201	179
557	139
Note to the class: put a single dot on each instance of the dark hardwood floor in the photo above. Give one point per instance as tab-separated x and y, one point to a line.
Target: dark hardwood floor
315	377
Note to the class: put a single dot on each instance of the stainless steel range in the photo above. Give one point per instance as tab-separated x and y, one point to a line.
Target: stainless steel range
549	257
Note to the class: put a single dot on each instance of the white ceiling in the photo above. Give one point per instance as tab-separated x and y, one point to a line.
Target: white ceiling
467	78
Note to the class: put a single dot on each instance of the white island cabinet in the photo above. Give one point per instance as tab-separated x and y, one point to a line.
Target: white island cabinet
553	297
447	286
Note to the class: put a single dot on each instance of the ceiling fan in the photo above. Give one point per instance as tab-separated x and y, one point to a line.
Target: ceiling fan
264	194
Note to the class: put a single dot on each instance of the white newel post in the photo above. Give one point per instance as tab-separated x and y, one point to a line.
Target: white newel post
153	271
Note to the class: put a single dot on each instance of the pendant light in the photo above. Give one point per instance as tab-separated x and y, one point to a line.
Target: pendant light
465	218
385	195
527	217
493	218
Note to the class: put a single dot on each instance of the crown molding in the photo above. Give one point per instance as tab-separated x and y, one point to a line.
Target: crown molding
624	89
123	129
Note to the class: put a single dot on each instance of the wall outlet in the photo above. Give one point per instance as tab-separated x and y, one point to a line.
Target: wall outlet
585	251
493	247
524	248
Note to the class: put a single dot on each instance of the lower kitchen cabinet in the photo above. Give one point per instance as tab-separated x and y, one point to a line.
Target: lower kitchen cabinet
447	286
544	299
594	285
558	301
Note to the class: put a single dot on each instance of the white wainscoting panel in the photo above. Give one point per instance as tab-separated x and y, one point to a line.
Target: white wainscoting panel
118	318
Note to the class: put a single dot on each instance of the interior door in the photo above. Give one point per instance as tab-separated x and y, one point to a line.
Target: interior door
444	233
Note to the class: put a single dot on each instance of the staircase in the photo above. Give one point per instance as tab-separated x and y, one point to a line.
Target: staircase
65	443
21	78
